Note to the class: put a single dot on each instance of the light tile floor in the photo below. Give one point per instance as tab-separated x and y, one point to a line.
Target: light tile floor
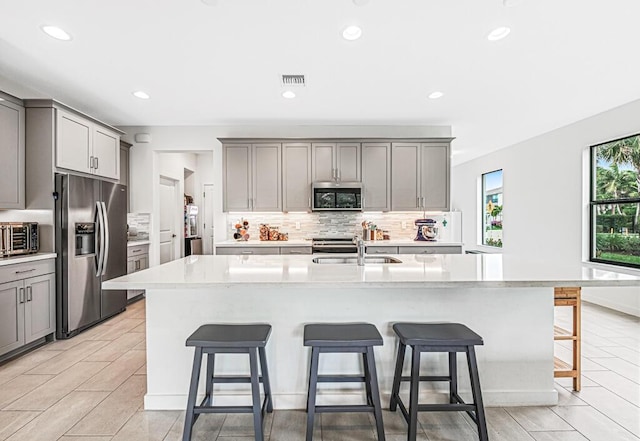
90	388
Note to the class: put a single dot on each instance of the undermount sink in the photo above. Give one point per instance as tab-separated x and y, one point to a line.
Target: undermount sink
354	260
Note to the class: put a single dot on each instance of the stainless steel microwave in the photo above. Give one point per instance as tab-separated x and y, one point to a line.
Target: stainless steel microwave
336	196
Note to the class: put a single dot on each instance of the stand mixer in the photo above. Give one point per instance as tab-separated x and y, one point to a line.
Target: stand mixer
427	230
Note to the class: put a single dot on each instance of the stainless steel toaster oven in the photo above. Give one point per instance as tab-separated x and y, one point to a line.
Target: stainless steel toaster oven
18	238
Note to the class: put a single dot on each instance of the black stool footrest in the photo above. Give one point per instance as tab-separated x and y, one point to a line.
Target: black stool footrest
222	409
227	380
341	379
344	408
428	378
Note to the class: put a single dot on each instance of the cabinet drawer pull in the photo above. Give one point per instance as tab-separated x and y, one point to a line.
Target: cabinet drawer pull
136	251
25	271
246	252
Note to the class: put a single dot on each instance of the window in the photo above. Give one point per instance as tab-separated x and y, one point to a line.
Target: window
615	202
492	212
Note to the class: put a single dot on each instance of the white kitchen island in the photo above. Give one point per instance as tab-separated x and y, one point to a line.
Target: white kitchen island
509	302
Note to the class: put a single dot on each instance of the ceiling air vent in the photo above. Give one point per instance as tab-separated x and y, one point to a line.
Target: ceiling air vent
293	80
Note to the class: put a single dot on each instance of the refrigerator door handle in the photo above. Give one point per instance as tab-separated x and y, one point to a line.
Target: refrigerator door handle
100	239
107	233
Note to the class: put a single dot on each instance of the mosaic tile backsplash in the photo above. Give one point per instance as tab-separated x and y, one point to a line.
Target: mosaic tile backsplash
336	224
139	225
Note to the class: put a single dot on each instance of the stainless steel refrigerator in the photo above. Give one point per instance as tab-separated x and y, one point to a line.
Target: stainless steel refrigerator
91	242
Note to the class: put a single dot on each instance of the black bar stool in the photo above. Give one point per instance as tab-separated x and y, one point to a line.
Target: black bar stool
437	337
229	339
351	338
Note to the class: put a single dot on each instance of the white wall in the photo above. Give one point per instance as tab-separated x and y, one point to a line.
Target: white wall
545	195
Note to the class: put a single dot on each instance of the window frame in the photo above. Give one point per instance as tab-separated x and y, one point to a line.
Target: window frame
482	209
593	203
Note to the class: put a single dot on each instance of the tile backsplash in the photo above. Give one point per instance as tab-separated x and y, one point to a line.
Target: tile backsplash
347	224
139	225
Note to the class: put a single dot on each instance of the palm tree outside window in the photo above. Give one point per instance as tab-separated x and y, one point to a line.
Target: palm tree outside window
492	211
615	202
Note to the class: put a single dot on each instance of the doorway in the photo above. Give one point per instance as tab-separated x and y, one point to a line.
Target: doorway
168	196
207	219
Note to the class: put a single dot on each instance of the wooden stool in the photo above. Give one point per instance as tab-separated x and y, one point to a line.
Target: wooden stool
437	337
340	338
229	339
568	297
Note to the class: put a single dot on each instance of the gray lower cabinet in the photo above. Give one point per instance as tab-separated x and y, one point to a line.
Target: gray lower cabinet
27	304
137	260
12	163
262	250
226	251
295	250
381	249
431	250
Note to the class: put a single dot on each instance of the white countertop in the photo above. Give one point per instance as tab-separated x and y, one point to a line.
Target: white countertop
415	271
264	243
410	243
307	243
135	243
26	258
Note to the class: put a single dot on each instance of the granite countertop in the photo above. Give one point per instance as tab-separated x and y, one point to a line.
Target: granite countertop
26	258
415	271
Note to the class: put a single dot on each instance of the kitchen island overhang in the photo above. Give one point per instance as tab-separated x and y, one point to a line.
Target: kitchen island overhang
492	294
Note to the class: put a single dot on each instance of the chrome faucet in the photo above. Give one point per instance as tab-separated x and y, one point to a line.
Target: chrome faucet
360	246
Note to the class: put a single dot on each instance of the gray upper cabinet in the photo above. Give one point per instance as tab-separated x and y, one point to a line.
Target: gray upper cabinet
420	176
405	176
252	177
336	161
86	147
435	176
12	152
296	176
376	176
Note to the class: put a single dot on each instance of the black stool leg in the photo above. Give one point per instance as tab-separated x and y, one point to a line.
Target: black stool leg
375	393
397	377
367	378
209	394
311	400
265	379
453	375
193	392
413	394
477	394
255	392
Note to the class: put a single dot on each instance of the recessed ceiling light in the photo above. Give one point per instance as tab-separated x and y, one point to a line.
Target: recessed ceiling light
360	2
288	94
210	2
56	32
435	95
499	33
141	94
352	33
1	99
509	3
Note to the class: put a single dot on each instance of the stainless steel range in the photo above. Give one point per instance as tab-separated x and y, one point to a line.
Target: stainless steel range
333	245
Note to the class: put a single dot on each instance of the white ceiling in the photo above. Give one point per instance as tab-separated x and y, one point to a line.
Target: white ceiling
208	65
